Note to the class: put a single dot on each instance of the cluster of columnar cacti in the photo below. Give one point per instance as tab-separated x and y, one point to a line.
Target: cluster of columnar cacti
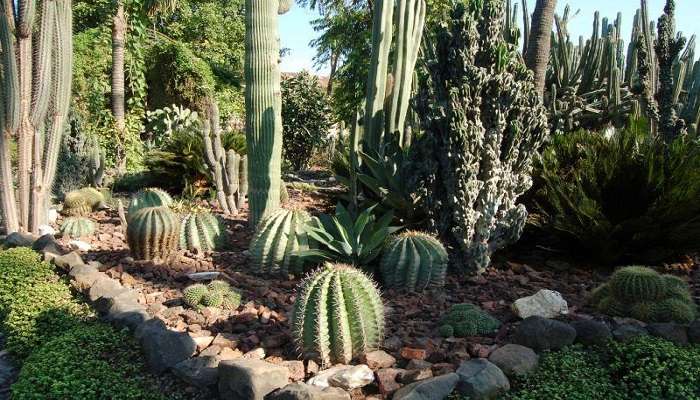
280	236
97	158
83	201
217	294
483	123
646	295
151	197
390	85
263	99
467	320
228	168
36	63
153	233
202	231
414	261
77	227
338	315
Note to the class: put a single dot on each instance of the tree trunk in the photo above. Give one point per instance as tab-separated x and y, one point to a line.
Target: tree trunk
334	68
118	96
539	41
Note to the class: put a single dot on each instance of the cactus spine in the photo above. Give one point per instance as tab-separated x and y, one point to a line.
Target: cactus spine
414	261
338	315
201	231
36	80
153	234
263	97
151	197
225	166
77	227
279	237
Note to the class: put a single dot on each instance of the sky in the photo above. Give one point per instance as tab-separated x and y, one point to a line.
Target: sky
296	31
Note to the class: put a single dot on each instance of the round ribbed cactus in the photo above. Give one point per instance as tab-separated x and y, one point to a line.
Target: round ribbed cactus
201	231
216	294
153	234
643	310
75	204
194	294
599	294
614	307
674	310
414	261
338	314
94	197
231	301
219	286
77	227
151	197
637	284
213	299
279	237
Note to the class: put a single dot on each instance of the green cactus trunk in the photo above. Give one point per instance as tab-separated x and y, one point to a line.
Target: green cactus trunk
153	234
36	86
263	97
338	315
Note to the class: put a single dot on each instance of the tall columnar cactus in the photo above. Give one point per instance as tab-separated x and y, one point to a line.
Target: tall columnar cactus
338	315
202	231
153	234
151	197
414	261
279	237
483	123
387	116
77	227
225	166
263	97
36	62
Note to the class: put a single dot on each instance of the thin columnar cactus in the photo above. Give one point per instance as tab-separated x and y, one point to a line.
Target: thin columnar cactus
36	63
338	315
414	261
202	231
151	197
153	234
263	97
279	237
77	227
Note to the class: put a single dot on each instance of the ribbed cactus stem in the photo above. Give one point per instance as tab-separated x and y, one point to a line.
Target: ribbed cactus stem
153	234
263	97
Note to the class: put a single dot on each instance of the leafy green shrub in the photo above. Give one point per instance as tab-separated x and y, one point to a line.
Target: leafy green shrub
20	269
306	117
627	197
569	374
467	320
90	361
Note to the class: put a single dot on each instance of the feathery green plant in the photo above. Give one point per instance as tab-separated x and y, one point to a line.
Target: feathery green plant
466	319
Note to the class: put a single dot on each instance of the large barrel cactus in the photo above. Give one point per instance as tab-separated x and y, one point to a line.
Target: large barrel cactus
83	201
202	231
153	234
414	261
338	314
151	197
77	227
278	238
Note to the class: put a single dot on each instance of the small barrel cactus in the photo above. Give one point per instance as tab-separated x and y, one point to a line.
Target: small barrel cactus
216	294
338	314
414	261
467	320
77	227
83	201
153	234
637	283
95	198
151	197
201	231
194	294
278	238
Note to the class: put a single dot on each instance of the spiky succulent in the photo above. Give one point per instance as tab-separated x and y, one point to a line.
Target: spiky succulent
151	197
153	233
202	231
468	320
219	286
636	283
83	201
414	261
77	227
194	294
216	294
277	241
213	299
231	301
338	314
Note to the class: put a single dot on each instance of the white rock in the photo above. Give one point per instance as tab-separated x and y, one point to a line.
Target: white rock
352	378
321	379
79	245
46	230
545	303
53	215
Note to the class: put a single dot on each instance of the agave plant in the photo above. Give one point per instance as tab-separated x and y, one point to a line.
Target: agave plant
356	240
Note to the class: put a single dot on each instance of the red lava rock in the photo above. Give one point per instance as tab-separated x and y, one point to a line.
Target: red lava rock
228	353
411	353
414	375
296	370
387	380
378	359
226	340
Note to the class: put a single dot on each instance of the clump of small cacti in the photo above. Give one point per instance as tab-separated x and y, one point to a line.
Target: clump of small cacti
153	233
77	227
201	231
644	294
217	294
467	320
278	239
414	261
83	201
151	197
338	314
